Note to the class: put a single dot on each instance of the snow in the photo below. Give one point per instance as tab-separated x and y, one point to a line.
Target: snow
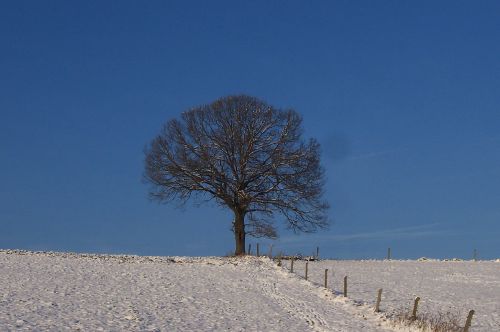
444	286
63	291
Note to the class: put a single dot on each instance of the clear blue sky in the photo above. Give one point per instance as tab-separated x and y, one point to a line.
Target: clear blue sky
404	97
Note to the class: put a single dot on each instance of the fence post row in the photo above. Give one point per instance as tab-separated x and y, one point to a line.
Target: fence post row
468	322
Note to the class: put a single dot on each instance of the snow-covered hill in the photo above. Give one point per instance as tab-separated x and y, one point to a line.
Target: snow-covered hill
58	291
63	291
446	288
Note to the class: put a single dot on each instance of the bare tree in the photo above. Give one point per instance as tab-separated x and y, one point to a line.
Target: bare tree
247	156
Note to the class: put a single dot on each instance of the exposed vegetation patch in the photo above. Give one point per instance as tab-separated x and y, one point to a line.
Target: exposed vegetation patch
432	322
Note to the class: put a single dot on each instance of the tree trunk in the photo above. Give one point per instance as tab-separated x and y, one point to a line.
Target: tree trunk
239	232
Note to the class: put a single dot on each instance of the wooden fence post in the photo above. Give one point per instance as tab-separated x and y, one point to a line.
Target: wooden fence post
249	248
270	251
258	253
468	323
345	286
379	298
388	253
415	308
475	255
291	266
326	278
317	253
307	267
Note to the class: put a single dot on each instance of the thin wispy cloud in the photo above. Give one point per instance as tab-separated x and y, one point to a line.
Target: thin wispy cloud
375	154
391	233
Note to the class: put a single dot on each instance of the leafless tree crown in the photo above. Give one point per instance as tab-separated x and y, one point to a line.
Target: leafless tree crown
248	156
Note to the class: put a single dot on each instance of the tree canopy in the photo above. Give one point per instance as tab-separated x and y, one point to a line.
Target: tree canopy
247	156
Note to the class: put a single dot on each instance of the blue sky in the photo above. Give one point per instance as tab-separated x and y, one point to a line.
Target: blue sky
404	97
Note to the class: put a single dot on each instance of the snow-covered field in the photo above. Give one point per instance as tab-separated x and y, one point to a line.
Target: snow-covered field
444	286
56	292
63	291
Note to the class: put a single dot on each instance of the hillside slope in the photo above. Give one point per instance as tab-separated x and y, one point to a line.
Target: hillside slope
59	291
